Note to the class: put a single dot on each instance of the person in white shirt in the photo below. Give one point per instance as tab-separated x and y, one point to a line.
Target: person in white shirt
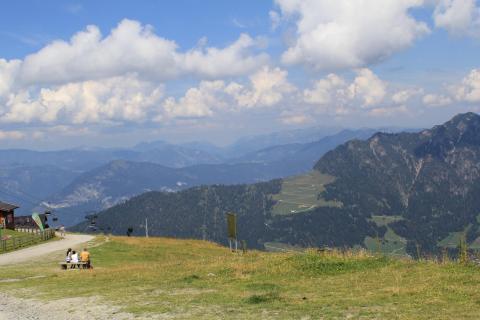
74	259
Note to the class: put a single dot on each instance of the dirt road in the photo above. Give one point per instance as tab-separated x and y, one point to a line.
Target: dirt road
71	240
14	308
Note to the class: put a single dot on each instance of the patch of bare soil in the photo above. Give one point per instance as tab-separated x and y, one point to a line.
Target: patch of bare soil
12	308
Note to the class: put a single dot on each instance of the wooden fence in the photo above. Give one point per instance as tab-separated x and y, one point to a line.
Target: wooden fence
30	238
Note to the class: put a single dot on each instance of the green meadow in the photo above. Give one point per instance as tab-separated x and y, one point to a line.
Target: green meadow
302	193
188	279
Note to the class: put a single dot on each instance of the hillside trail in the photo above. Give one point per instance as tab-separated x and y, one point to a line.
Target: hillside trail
27	254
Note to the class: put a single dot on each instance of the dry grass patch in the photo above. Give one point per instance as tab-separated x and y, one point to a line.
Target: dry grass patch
186	279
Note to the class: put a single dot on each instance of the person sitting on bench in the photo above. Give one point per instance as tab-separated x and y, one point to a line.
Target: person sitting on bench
68	257
85	258
74	260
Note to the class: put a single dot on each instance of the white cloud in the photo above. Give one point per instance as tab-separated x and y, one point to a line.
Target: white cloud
436	100
337	34
405	95
233	60
458	17
118	77
368	87
114	99
469	89
130	47
334	94
324	90
11	135
197	102
8	72
267	88
134	48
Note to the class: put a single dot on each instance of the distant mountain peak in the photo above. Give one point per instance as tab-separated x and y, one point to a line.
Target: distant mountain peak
468	116
460	123
461	131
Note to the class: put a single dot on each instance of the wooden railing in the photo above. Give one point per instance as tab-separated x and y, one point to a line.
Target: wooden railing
17	242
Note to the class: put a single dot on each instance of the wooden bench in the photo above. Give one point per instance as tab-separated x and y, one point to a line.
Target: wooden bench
78	265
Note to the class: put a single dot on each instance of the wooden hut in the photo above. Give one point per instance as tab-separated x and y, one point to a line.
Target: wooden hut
7	215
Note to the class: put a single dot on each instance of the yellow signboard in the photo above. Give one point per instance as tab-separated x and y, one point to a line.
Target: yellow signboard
232	225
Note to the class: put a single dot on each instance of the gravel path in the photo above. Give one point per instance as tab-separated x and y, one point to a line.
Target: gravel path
14	308
71	240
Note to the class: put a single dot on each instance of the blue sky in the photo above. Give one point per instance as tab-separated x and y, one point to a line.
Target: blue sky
117	72
28	25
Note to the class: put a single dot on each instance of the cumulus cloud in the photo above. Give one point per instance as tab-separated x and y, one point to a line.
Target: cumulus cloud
134	48
469	89
436	100
368	87
235	59
458	17
337	34
197	102
119	77
124	98
130	47
8	72
324	90
335	94
267	87
405	95
93	78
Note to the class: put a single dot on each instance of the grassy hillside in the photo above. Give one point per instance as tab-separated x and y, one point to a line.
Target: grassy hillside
301	193
405	193
186	279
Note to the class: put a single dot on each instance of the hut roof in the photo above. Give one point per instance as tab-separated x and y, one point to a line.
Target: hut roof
7	206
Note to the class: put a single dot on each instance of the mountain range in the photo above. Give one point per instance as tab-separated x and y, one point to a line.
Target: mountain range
74	182
403	193
120	180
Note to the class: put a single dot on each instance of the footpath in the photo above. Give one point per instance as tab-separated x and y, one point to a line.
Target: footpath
13	308
30	253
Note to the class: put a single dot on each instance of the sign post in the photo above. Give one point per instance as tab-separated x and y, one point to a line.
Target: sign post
232	230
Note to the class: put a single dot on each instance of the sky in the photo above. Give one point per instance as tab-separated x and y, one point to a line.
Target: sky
114	73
